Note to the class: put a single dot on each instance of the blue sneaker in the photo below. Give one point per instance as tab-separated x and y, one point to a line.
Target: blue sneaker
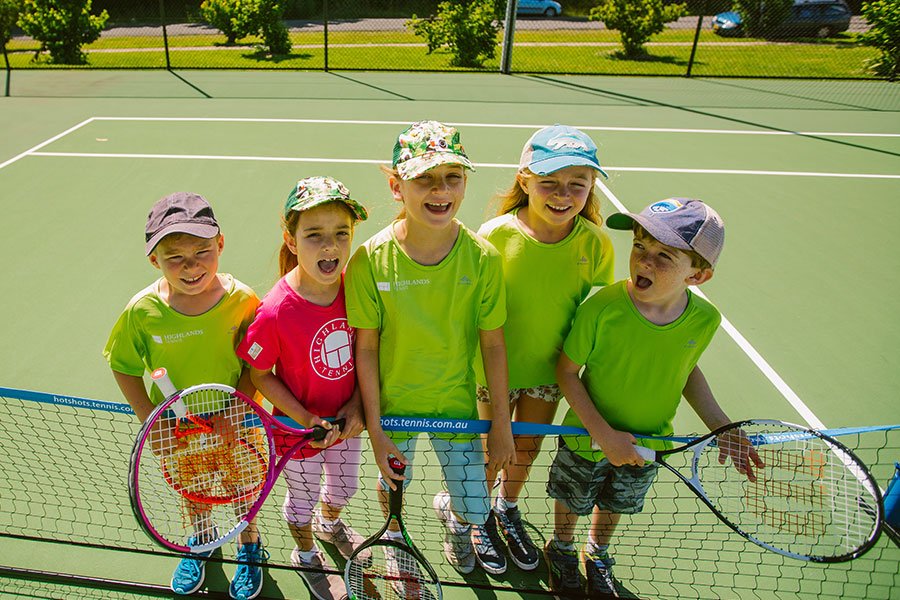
190	572
248	578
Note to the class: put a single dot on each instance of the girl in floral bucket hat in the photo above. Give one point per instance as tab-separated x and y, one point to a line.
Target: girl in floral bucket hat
423	293
301	332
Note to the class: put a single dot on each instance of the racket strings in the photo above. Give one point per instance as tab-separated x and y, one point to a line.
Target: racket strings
202	473
806	499
390	572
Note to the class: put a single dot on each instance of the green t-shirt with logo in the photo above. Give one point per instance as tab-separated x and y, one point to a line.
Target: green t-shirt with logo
428	319
634	370
194	349
545	283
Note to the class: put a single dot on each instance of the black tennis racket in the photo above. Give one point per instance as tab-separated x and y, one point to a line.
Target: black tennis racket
789	489
385	568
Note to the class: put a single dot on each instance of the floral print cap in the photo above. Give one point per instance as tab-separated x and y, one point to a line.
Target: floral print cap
425	145
314	191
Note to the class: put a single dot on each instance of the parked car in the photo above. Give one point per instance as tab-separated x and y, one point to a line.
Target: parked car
808	18
548	8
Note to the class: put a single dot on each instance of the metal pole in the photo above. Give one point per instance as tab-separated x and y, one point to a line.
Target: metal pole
696	39
325	19
162	17
508	33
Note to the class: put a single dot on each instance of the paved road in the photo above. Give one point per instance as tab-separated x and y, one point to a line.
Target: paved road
522	24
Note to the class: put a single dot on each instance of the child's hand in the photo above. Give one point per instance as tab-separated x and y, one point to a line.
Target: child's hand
224	428
619	447
333	435
735	444
500	447
383	447
353	421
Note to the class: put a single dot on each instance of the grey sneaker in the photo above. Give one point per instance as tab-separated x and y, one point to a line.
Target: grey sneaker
564	575
457	546
341	536
488	547
522	550
323	586
600	582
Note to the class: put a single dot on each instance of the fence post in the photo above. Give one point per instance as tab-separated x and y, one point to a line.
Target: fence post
8	70
162	17
508	33
696	39
325	21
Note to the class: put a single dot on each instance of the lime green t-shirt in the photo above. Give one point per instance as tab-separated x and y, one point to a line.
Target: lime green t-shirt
545	283
634	370
428	319
194	349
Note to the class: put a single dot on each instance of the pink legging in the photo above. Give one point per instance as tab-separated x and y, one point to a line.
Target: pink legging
340	465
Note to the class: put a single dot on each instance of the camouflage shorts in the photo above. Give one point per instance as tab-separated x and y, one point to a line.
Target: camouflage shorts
581	484
547	393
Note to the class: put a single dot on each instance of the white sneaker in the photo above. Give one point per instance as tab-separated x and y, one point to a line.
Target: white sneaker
457	545
324	586
341	536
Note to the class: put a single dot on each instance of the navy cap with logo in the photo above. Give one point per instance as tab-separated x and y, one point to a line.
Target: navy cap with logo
181	212
683	223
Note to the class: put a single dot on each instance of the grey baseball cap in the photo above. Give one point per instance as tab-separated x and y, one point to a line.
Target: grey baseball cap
683	223
181	212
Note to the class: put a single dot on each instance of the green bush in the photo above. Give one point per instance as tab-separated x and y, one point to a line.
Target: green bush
271	27
883	17
62	27
636	20
760	17
235	18
9	14
468	28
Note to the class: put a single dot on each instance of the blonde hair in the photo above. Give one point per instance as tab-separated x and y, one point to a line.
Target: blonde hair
391	172
697	261
516	197
287	260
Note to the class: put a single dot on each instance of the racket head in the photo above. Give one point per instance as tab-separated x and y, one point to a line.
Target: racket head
384	568
194	481
812	499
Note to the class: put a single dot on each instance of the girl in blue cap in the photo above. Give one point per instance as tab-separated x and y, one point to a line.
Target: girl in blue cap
548	233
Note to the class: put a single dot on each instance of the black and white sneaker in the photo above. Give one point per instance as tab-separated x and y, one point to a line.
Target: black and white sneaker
488	547
522	550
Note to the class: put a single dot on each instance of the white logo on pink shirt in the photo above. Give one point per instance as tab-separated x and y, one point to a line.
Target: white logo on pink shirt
331	351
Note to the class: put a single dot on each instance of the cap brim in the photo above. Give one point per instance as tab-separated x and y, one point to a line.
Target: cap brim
196	229
555	163
355	207
412	168
660	233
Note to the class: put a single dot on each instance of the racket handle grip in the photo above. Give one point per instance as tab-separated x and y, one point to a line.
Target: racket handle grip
646	453
161	378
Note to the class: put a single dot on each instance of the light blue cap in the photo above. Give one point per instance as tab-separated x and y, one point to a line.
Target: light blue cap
557	147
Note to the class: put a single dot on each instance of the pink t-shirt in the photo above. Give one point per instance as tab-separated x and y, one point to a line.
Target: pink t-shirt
311	348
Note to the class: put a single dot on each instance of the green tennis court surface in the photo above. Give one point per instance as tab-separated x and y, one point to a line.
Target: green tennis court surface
805	174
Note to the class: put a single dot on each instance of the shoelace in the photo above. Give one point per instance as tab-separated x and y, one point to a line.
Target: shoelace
516	530
601	570
568	567
192	566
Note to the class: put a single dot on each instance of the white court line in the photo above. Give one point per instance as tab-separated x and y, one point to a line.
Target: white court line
499	126
811	419
45	142
477	165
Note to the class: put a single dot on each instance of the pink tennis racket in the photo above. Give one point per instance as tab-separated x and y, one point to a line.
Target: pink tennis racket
203	464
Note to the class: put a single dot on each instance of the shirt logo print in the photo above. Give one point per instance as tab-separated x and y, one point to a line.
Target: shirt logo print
331	350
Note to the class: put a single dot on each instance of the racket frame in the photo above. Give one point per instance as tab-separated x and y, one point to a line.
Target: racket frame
858	469
176	405
395	513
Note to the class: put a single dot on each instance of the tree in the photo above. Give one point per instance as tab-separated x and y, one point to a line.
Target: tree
883	17
62	27
9	14
636	20
271	27
759	18
235	18
468	28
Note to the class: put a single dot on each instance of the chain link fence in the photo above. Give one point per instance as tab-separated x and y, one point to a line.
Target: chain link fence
818	39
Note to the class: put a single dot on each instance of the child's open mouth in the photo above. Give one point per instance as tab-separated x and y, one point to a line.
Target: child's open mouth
438	209
558	209
328	266
642	283
193	280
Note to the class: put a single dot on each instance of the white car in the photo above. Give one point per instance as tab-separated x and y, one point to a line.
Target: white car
548	8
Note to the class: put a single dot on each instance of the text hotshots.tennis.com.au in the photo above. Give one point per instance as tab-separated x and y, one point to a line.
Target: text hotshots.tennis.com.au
424	423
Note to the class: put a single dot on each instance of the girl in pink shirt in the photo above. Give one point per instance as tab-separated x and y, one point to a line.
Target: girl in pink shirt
300	350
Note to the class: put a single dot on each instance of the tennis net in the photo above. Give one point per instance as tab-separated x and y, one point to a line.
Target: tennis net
63	461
